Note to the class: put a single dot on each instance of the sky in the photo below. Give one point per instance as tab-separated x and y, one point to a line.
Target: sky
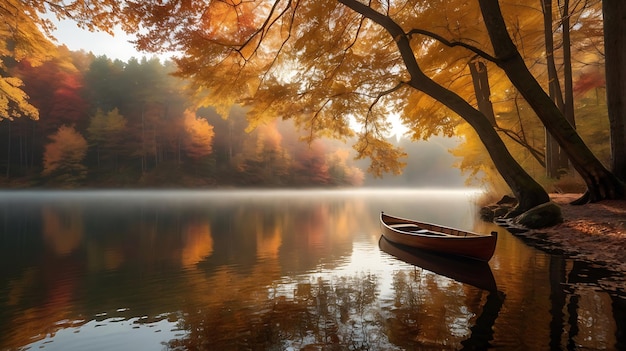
99	43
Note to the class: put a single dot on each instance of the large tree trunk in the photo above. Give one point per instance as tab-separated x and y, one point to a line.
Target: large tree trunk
528	192
601	184
615	65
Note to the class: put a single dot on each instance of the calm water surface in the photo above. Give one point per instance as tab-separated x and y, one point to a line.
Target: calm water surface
279	270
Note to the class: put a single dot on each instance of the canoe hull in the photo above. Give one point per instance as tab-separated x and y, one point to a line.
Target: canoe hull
438	239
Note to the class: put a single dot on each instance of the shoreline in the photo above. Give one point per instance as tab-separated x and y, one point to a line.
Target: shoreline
594	233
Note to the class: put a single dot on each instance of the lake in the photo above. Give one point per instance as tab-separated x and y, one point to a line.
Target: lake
279	270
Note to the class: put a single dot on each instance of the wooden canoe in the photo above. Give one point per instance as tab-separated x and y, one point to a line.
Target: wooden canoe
464	270
436	238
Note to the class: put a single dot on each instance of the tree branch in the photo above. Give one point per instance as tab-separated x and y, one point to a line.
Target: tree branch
537	154
386	92
451	44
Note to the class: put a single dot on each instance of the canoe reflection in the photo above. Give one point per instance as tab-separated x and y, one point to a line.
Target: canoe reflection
466	271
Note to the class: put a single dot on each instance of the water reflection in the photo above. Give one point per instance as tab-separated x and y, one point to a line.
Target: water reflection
276	270
475	273
467	271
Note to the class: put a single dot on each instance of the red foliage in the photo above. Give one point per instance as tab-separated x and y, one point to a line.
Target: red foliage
588	81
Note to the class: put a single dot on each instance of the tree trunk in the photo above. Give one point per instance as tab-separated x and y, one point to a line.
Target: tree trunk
601	184
614	12
553	151
527	191
480	79
568	79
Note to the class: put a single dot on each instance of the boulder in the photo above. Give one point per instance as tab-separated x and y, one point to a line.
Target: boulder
541	216
498	210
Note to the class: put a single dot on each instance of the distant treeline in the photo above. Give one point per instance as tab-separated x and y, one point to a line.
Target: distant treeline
108	123
121	124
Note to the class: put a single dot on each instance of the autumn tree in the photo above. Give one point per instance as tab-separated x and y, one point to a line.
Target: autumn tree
13	100
55	89
601	183
267	38
63	157
20	37
279	71
341	172
199	138
150	99
262	158
106	134
549	63
25	33
310	165
229	134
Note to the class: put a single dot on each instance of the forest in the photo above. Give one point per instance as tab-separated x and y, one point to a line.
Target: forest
108	123
523	84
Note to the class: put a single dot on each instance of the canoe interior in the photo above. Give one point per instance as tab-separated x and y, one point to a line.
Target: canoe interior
414	229
423	228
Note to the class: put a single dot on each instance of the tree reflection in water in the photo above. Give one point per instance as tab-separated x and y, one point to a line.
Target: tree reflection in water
428	315
470	272
261	271
329	314
348	313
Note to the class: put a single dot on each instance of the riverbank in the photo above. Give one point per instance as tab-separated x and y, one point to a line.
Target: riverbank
593	232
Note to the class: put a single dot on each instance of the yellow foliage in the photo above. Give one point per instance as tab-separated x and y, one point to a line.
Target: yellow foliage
385	156
104	127
322	64
14	101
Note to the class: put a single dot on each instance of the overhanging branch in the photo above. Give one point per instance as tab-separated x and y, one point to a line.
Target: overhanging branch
451	44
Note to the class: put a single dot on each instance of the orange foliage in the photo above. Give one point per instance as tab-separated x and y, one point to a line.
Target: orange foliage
200	135
197	243
269	138
64	155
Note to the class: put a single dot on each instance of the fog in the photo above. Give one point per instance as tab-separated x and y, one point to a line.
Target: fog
428	164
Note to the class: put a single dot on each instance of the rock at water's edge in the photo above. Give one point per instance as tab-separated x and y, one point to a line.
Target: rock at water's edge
541	216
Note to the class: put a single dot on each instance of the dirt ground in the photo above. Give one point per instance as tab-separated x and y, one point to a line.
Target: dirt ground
593	232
